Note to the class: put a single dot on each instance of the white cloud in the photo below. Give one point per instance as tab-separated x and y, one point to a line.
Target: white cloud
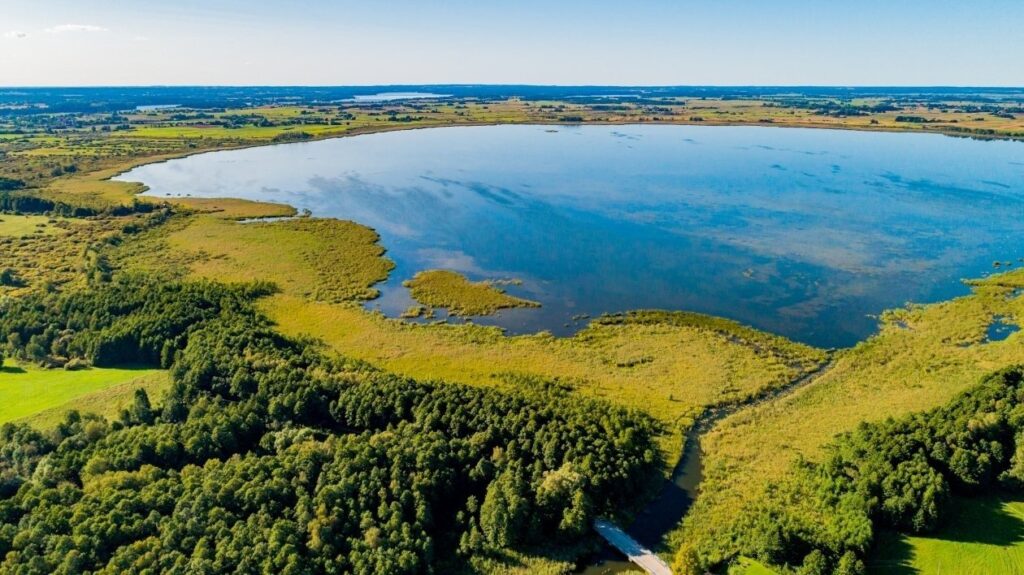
62	28
140	38
15	34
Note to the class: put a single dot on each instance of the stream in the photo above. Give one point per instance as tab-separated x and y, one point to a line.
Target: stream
678	492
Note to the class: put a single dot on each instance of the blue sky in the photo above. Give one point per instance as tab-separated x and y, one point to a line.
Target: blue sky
725	42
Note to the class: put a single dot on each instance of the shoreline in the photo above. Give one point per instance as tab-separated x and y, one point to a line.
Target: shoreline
173	200
398	128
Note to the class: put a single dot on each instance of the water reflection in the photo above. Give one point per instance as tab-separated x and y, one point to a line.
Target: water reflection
807	233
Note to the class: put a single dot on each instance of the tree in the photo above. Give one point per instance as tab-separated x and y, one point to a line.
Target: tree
850	564
505	510
687	562
271	456
35	351
141	411
814	564
561	495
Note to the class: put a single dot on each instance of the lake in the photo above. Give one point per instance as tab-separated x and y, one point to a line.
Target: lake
807	233
397	96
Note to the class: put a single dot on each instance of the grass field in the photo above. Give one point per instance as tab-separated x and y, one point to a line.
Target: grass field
746	566
921	358
452	291
985	536
42	396
14	226
54	250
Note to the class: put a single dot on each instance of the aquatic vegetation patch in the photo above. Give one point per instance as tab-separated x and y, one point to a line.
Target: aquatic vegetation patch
460	296
319	259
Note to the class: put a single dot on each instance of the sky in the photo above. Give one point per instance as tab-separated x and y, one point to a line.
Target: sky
569	42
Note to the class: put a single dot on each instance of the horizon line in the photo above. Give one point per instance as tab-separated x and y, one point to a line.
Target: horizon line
524	85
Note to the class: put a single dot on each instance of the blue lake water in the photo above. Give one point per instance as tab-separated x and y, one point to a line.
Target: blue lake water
396	96
1000	328
807	233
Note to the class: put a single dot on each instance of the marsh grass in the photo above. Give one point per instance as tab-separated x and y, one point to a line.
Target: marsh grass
689	367
42	250
921	358
326	268
234	208
315	259
452	291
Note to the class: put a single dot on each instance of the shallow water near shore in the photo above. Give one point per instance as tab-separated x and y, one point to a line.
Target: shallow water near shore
802	232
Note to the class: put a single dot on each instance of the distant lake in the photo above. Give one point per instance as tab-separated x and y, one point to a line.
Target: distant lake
395	96
156	107
802	232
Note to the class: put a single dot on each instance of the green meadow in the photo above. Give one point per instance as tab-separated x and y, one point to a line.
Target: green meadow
41	396
985	536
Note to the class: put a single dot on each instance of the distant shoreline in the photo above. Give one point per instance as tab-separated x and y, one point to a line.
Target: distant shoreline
121	170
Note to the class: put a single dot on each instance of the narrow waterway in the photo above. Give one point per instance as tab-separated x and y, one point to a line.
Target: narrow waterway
679	491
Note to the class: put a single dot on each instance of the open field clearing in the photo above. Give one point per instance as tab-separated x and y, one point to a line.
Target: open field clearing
42	396
985	536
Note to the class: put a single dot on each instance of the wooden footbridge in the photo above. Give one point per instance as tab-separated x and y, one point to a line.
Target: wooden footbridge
629	547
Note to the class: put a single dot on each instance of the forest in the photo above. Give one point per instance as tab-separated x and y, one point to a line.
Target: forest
899	474
268	455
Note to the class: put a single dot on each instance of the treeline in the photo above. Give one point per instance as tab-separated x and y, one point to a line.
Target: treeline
131	321
27	203
899	474
22	203
270	456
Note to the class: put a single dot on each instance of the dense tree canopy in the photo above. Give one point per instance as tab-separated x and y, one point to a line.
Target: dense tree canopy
897	474
269	456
